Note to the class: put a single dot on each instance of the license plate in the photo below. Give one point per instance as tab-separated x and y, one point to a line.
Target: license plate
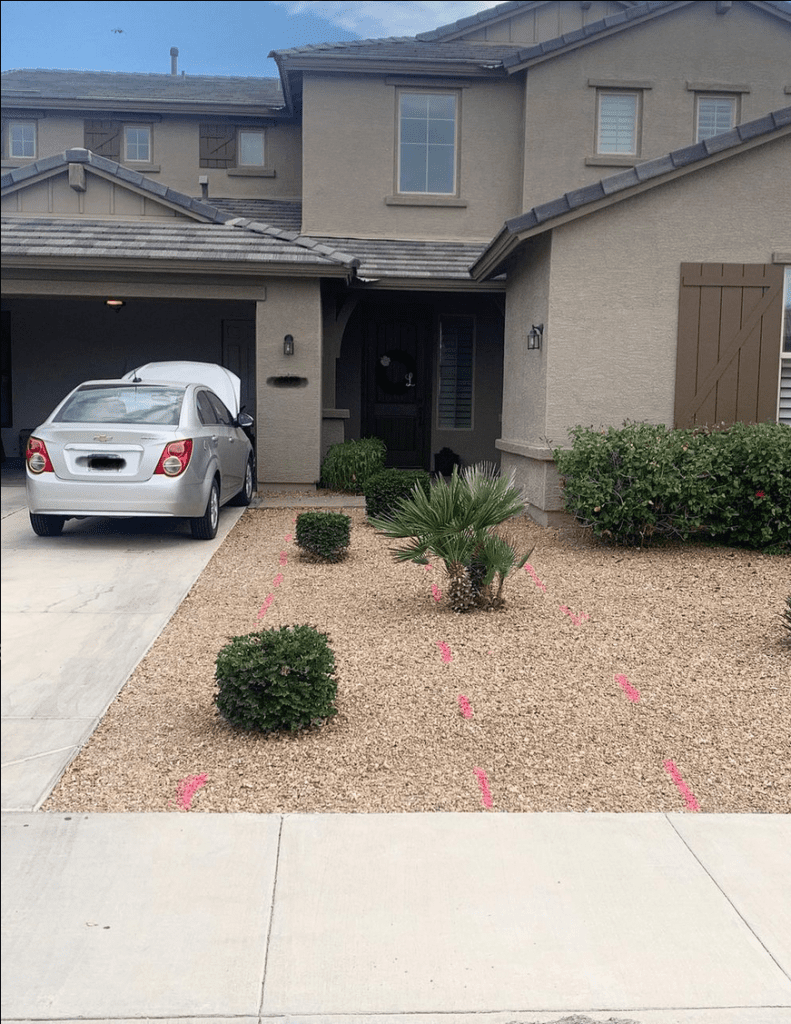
106	462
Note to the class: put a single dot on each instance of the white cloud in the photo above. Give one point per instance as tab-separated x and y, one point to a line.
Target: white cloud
394	18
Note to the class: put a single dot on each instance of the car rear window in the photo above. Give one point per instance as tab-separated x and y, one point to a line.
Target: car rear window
123	403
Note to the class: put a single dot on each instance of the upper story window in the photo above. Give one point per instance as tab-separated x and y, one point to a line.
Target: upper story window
714	114
251	149
137	145
124	143
22	140
618	123
427	142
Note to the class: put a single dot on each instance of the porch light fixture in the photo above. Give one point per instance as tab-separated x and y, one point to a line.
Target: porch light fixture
115	304
534	336
288	345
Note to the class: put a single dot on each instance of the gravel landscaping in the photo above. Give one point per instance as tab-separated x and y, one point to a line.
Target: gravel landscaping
614	680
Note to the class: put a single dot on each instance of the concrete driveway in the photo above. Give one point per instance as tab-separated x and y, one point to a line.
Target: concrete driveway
79	611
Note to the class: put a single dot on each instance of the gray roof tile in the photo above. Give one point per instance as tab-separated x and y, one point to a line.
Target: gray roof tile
283	214
383	258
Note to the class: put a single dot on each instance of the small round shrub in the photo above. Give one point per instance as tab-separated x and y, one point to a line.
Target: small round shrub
324	535
384	490
278	679
348	465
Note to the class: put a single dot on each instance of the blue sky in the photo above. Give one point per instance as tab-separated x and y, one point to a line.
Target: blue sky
213	38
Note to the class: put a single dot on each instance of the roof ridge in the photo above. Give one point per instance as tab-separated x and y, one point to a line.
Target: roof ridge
296	238
139	74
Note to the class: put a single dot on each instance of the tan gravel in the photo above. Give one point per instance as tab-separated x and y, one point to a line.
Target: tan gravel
694	630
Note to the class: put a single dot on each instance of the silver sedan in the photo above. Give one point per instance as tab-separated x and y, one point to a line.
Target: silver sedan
150	444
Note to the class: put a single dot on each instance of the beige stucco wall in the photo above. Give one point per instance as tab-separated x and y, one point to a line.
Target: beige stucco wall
546	21
175	155
349	126
745	47
289	418
610	337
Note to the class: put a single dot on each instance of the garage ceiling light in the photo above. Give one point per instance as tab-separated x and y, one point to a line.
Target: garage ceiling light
114	303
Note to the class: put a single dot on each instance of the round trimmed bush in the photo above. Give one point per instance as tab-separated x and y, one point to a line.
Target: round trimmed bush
277	679
324	535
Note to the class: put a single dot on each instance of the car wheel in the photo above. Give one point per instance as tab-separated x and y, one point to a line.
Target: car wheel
205	527
245	496
46	526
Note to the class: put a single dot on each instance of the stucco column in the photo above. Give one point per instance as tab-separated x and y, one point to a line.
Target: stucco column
288	421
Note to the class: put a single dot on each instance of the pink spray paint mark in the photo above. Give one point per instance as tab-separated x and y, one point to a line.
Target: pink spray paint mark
187	789
683	788
283	558
288	538
445	651
627	688
436	592
427	568
576	619
278	580
267	601
464	705
532	573
483	782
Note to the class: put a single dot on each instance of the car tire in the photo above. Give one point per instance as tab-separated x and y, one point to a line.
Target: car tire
46	526
245	496
205	527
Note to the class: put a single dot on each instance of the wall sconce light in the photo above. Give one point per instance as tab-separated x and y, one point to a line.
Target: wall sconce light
534	336
288	345
115	304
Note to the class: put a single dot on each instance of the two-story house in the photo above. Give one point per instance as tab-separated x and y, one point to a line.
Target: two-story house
546	214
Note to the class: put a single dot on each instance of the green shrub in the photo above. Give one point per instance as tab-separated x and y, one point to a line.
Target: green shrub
277	679
325	535
384	490
347	466
629	484
457	523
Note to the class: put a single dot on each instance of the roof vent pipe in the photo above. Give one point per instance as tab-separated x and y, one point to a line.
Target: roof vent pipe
174	60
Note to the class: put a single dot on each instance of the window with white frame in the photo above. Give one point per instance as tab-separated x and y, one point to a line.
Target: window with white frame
714	115
427	142
618	123
137	145
22	139
455	376
251	149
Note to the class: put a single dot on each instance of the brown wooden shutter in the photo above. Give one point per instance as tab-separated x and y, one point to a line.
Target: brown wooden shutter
104	138
728	356
217	145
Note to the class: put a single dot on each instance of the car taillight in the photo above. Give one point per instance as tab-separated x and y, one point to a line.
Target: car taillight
175	458
37	456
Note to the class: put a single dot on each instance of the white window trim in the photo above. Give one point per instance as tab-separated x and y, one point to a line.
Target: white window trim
417	196
701	97
138	127
638	119
439	424
250	131
785	356
20	122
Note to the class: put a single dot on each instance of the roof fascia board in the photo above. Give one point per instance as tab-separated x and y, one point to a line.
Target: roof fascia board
127	106
506	242
427	284
476	68
171	266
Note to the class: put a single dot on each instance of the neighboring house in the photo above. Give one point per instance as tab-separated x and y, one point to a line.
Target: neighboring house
547	214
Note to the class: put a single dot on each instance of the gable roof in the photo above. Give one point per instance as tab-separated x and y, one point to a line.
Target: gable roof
241	239
582	201
492	15
126	91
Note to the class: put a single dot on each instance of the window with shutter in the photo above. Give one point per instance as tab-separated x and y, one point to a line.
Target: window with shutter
217	145
784	398
454	390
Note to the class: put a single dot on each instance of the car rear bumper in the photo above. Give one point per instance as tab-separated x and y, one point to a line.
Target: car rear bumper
160	496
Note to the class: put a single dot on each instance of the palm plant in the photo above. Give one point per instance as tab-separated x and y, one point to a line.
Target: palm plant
456	523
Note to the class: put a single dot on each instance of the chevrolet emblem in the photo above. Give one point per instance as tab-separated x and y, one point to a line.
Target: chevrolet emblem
104	438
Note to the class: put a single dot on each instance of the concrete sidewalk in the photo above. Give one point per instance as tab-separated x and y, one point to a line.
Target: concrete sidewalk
480	918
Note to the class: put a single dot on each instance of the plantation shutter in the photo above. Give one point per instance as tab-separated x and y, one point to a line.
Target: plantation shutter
104	138
217	145
728	354
454	392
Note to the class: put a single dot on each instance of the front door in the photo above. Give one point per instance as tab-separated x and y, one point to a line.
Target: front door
396	347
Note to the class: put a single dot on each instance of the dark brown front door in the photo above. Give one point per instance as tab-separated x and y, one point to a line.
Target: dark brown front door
396	346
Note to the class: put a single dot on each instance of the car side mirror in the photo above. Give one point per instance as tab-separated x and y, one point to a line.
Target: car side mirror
244	421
